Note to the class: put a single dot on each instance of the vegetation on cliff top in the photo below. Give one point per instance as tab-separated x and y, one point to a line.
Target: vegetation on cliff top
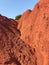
18	17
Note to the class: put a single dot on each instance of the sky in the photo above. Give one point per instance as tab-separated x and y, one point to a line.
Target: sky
12	8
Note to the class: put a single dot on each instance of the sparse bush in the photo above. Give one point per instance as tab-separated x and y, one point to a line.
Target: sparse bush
17	17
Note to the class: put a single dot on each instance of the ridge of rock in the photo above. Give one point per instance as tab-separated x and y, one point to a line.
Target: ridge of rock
13	50
23	17
35	30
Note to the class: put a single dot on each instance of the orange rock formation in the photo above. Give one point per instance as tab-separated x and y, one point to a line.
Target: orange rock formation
26	42
35	30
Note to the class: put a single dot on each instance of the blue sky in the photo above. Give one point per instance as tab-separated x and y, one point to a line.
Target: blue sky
11	8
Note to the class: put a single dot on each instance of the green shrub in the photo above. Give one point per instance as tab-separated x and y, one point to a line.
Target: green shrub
17	17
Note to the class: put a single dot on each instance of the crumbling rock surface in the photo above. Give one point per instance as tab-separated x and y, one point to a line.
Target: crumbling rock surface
14	51
26	41
35	30
23	17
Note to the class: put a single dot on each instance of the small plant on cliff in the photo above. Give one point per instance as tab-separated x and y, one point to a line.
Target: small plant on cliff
18	17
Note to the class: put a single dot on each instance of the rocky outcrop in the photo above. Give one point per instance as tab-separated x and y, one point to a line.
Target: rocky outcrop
23	17
35	30
14	51
26	41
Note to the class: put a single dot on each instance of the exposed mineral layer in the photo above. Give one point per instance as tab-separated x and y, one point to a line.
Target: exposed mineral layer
14	51
34	30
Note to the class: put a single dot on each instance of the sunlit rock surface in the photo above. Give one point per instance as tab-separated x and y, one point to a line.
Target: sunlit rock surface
35	30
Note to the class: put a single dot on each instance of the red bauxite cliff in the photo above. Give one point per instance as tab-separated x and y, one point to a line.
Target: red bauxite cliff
26	41
34	28
13	50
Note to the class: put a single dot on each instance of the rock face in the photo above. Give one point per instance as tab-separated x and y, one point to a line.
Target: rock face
44	1
26	42
35	30
14	51
23	17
